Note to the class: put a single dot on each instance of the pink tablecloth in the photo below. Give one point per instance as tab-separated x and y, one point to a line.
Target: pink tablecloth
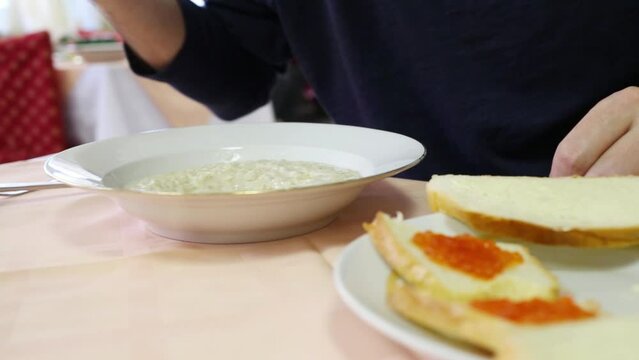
80	279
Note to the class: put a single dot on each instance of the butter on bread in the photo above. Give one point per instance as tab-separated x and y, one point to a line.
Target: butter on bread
602	337
392	239
441	299
574	211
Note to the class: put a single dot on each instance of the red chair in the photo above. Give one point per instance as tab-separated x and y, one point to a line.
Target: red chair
31	120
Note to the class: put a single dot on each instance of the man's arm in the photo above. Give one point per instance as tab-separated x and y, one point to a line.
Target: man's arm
153	28
224	55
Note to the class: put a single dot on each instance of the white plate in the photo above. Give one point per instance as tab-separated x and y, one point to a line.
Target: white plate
608	276
108	165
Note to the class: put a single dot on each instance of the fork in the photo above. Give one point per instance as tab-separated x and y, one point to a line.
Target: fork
20	188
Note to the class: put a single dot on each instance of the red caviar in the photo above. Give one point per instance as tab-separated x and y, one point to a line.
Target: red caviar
534	311
466	253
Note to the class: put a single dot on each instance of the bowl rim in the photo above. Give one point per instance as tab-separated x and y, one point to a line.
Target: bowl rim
51	171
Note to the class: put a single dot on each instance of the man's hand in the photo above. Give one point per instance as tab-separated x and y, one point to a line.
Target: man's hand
605	141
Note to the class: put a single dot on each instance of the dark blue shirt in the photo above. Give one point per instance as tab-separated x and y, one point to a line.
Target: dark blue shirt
488	86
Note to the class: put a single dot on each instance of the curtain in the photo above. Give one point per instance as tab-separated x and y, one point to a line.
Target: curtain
59	17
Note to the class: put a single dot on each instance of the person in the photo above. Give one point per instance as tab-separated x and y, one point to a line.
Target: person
535	87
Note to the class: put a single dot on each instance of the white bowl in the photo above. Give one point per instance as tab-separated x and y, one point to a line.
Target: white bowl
108	165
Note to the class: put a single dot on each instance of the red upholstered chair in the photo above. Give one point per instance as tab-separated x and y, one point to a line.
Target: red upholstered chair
31	121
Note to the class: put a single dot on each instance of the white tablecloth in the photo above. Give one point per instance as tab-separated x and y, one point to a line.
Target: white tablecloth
108	100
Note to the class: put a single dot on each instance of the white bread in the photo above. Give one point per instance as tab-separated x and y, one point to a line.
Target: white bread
433	296
603	337
392	239
574	211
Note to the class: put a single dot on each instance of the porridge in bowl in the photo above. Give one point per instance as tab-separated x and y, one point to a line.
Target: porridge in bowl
238	215
244	176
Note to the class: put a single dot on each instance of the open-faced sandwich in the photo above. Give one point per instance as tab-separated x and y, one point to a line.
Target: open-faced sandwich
495	296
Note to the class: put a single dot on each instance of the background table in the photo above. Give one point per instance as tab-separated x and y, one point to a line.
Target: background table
81	279
104	99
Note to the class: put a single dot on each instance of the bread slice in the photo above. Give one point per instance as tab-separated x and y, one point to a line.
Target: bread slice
441	299
602	337
574	211
392	239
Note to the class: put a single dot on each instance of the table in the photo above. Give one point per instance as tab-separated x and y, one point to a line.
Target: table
104	99
81	279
